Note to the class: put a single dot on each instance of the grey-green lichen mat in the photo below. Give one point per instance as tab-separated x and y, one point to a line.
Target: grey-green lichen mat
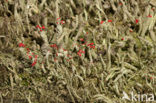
77	51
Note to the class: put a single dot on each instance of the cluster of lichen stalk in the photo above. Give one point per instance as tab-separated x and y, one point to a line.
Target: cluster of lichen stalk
124	58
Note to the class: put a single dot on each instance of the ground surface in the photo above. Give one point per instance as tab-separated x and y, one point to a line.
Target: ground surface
77	51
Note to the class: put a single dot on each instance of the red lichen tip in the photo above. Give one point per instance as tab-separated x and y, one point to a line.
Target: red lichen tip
90	44
58	18
101	22
81	39
120	3
149	16
109	20
30	57
55	59
130	30
43	27
62	22
21	45
64	49
36	56
33	63
37	26
92	47
136	21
